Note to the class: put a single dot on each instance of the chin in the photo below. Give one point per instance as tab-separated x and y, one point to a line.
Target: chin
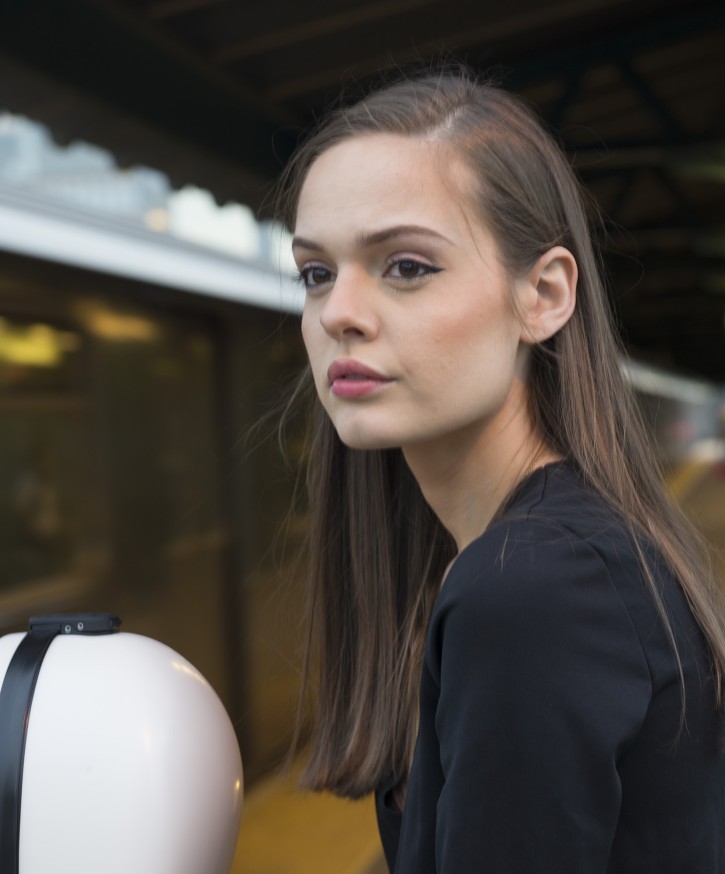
364	440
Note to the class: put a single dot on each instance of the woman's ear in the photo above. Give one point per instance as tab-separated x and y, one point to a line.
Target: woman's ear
550	294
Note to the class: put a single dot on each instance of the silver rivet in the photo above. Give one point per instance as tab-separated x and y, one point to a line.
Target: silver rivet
67	629
80	626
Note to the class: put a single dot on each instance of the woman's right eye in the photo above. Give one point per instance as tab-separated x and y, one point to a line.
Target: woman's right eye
315	275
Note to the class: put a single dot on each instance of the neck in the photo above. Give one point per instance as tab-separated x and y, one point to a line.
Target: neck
465	476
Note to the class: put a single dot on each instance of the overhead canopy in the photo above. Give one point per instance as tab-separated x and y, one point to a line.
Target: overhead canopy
216	93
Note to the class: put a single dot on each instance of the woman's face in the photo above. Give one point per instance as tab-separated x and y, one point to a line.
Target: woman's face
408	321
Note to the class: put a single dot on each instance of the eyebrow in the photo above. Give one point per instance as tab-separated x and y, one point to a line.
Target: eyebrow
366	240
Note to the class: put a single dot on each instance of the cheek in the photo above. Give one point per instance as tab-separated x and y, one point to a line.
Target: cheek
310	337
480	329
469	349
313	337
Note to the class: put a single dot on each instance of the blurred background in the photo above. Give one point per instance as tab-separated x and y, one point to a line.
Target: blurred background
148	320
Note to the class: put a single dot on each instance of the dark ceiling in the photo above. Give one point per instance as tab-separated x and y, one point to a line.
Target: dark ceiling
216	93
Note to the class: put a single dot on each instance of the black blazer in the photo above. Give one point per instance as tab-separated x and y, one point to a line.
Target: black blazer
550	739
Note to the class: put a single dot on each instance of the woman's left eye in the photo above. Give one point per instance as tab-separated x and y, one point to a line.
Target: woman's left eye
409	269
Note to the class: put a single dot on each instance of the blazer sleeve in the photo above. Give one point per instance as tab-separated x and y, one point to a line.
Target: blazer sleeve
543	683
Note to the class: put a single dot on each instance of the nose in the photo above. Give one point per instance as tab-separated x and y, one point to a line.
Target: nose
348	309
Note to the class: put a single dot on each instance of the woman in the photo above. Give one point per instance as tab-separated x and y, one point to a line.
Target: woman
518	642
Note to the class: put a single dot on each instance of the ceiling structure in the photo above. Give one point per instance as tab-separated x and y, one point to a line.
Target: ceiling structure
217	92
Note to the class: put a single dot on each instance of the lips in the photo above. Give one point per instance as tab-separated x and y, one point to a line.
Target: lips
349	378
350	369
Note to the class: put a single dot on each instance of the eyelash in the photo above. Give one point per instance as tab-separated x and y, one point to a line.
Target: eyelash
427	270
303	275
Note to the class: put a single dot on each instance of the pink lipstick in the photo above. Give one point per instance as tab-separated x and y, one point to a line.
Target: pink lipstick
351	379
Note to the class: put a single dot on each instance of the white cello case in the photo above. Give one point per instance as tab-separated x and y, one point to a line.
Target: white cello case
131	763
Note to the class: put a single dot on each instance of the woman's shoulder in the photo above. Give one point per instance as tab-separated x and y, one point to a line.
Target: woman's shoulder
560	556
554	521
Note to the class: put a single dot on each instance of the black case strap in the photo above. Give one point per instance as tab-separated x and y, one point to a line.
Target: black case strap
16	698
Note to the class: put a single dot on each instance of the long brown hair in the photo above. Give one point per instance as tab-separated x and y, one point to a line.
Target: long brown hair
377	552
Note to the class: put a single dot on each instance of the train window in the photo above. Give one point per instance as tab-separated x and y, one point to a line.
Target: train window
42	407
36	356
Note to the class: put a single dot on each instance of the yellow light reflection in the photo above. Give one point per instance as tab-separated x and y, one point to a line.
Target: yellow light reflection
112	326
119	327
37	345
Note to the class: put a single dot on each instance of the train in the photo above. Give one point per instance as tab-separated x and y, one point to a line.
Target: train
133	479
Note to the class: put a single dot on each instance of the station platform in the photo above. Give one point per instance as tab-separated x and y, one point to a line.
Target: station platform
285	831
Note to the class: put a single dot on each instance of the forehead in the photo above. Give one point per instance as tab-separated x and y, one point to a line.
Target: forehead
376	179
